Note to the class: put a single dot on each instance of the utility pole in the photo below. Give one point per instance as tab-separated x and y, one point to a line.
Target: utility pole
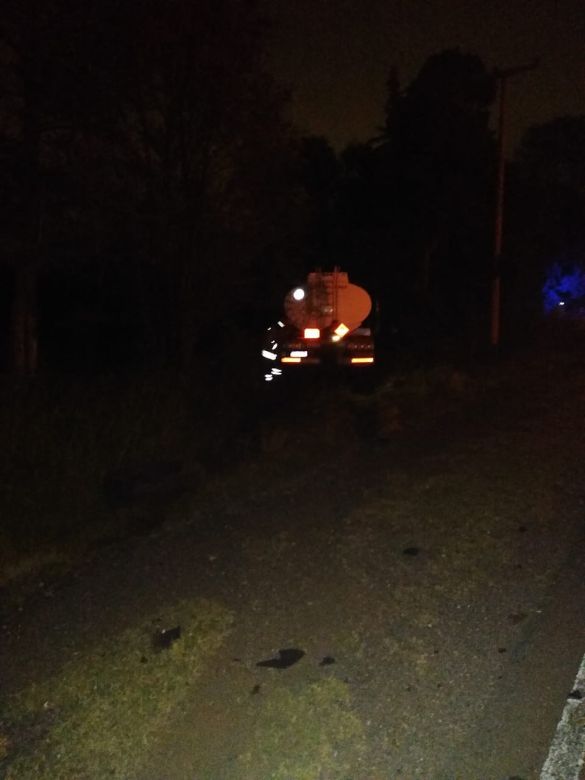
502	75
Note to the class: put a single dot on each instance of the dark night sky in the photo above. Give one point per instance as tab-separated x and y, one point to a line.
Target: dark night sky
336	55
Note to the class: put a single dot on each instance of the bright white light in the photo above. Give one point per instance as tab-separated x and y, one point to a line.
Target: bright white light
335	337
280	324
299	294
277	371
561	303
268	377
312	333
268	355
299	353
341	330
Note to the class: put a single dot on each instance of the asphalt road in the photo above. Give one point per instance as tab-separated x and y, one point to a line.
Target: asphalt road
428	564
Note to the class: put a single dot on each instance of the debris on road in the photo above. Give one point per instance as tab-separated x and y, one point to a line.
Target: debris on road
163	639
286	658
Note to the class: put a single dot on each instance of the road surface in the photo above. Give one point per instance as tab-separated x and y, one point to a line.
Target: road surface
424	561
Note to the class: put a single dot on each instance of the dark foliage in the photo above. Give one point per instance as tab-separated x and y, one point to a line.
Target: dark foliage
143	143
546	208
156	203
410	212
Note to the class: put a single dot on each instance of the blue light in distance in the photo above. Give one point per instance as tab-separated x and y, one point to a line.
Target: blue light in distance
564	284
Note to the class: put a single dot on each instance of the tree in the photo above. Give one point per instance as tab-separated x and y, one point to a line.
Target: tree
152	136
319	174
547	213
433	175
550	165
202	150
45	105
25	61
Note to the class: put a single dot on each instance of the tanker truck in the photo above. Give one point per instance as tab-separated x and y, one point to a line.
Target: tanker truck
323	324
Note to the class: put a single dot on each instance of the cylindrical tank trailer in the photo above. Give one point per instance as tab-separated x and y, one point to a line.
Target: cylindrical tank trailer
323	324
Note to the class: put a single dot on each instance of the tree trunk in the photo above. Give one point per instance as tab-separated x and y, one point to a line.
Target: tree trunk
24	302
24	321
424	271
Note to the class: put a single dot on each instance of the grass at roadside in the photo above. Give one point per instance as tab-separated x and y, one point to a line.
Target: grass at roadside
306	734
63	437
100	716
